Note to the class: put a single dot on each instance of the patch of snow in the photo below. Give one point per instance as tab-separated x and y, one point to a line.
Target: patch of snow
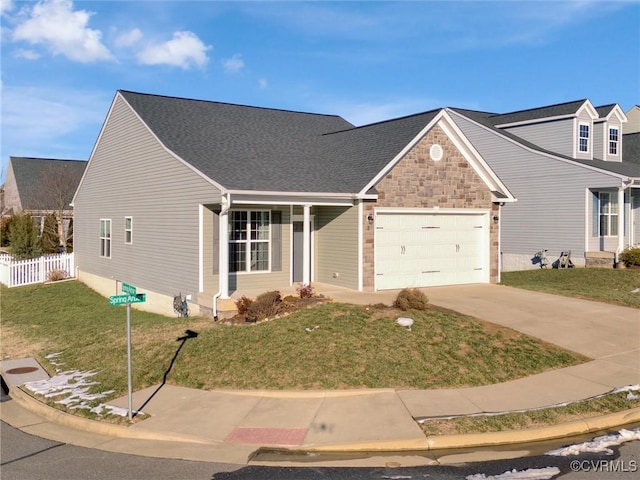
74	386
530	474
598	444
53	360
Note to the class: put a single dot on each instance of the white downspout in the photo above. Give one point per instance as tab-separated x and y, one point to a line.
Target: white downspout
499	242
223	253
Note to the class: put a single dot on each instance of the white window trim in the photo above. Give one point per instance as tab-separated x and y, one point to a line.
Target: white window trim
613	199
609	141
129	230
580	137
105	239
248	242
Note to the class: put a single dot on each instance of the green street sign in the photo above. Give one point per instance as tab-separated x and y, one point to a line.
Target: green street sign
128	289
124	299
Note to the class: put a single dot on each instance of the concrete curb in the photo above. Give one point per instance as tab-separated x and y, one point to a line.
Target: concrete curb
92	426
430	443
473	440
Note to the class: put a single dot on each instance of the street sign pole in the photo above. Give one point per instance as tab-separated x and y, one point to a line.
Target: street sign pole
129	369
130	296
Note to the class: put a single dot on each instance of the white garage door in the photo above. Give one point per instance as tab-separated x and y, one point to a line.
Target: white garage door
424	250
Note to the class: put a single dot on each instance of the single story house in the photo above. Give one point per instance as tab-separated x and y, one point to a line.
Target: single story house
211	200
41	187
214	200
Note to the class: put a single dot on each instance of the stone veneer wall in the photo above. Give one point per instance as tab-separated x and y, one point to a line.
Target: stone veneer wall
419	182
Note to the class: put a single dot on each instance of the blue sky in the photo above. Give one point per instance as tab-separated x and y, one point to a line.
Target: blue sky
62	60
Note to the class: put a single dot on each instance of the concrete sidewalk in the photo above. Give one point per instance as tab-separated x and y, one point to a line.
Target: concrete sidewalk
229	426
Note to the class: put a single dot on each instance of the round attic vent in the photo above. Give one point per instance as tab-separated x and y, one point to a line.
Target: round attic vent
435	152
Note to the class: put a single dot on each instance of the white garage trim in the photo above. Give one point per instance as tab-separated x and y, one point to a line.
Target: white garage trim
430	247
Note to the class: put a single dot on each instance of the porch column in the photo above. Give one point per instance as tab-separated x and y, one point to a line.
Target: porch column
223	250
306	246
621	213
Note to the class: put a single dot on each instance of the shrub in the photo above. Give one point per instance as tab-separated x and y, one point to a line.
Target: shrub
411	299
631	257
23	237
56	275
305	291
5	227
243	304
266	305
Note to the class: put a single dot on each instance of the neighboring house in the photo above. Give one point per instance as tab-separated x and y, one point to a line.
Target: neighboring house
209	199
576	180
633	120
42	186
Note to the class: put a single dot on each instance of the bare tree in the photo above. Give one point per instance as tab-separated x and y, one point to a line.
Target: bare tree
53	192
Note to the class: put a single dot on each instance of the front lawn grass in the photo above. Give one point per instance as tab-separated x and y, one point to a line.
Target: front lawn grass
611	403
352	346
607	285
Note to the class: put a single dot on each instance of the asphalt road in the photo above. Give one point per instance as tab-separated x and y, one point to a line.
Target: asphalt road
26	457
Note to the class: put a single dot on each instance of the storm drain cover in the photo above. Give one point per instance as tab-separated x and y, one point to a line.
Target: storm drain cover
22	370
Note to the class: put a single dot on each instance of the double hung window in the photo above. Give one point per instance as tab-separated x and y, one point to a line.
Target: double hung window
608	214
128	230
249	238
105	238
583	138
613	141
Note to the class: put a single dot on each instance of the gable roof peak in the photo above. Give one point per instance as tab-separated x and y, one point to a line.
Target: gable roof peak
129	93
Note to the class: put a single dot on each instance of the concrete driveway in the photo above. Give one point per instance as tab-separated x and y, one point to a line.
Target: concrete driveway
594	329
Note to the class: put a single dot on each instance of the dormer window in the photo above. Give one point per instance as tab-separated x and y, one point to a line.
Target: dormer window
613	141
583	138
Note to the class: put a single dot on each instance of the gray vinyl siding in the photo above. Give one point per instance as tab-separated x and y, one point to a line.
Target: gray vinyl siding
551	211
556	136
11	194
337	246
600	140
131	174
265	281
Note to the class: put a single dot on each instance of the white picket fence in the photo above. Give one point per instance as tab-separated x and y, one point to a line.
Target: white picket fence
16	273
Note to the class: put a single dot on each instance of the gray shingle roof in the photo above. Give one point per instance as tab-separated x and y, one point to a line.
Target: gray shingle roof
560	109
261	149
605	110
43	183
242	147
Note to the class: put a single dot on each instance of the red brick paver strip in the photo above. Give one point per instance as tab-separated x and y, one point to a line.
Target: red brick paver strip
267	436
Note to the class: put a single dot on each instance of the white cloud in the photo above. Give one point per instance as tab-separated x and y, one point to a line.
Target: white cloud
128	38
233	64
6	5
184	50
55	25
26	53
262	83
